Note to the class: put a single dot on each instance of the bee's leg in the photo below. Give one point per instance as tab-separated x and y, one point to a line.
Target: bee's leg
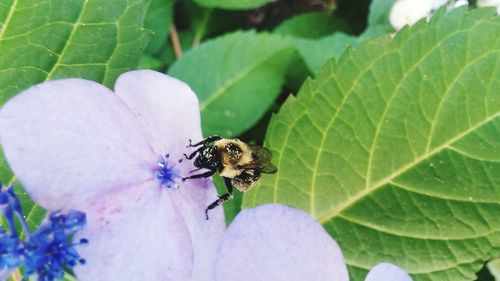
193	154
195	170
207	140
223	198
198	176
228	184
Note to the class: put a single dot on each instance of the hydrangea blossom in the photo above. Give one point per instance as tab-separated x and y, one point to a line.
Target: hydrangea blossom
74	144
408	12
274	242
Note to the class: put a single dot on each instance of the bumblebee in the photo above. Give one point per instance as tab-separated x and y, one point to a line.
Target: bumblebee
238	163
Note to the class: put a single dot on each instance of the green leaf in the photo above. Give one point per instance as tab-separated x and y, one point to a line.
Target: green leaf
168	56
199	18
68	277
312	26
33	213
93	39
395	149
233	4
376	30
209	22
236	77
159	17
297	73
317	38
150	62
42	40
316	52
379	12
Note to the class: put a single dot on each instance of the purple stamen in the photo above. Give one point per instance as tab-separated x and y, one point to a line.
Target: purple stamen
167	176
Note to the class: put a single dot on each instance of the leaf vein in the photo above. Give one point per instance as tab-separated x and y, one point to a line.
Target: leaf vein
68	42
229	83
8	19
396	91
447	92
392	232
438	195
350	201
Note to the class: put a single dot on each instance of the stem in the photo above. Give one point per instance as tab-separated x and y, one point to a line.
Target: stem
11	182
200	32
176	44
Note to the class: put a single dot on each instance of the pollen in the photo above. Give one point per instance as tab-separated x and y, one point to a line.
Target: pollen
167	175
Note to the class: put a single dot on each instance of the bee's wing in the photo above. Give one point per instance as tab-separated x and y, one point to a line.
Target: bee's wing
262	159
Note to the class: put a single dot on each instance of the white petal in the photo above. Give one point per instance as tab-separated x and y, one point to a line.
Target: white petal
167	107
72	139
273	242
191	199
435	4
408	12
170	111
136	234
387	272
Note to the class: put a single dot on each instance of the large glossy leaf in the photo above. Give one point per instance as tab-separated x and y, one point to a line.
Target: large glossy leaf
312	26
233	4
317	37
395	149
236	77
210	22
158	18
94	39
316	52
379	12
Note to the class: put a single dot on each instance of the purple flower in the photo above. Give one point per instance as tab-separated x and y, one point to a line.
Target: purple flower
74	144
274	242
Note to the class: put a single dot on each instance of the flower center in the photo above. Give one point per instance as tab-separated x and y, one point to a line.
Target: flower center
167	175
